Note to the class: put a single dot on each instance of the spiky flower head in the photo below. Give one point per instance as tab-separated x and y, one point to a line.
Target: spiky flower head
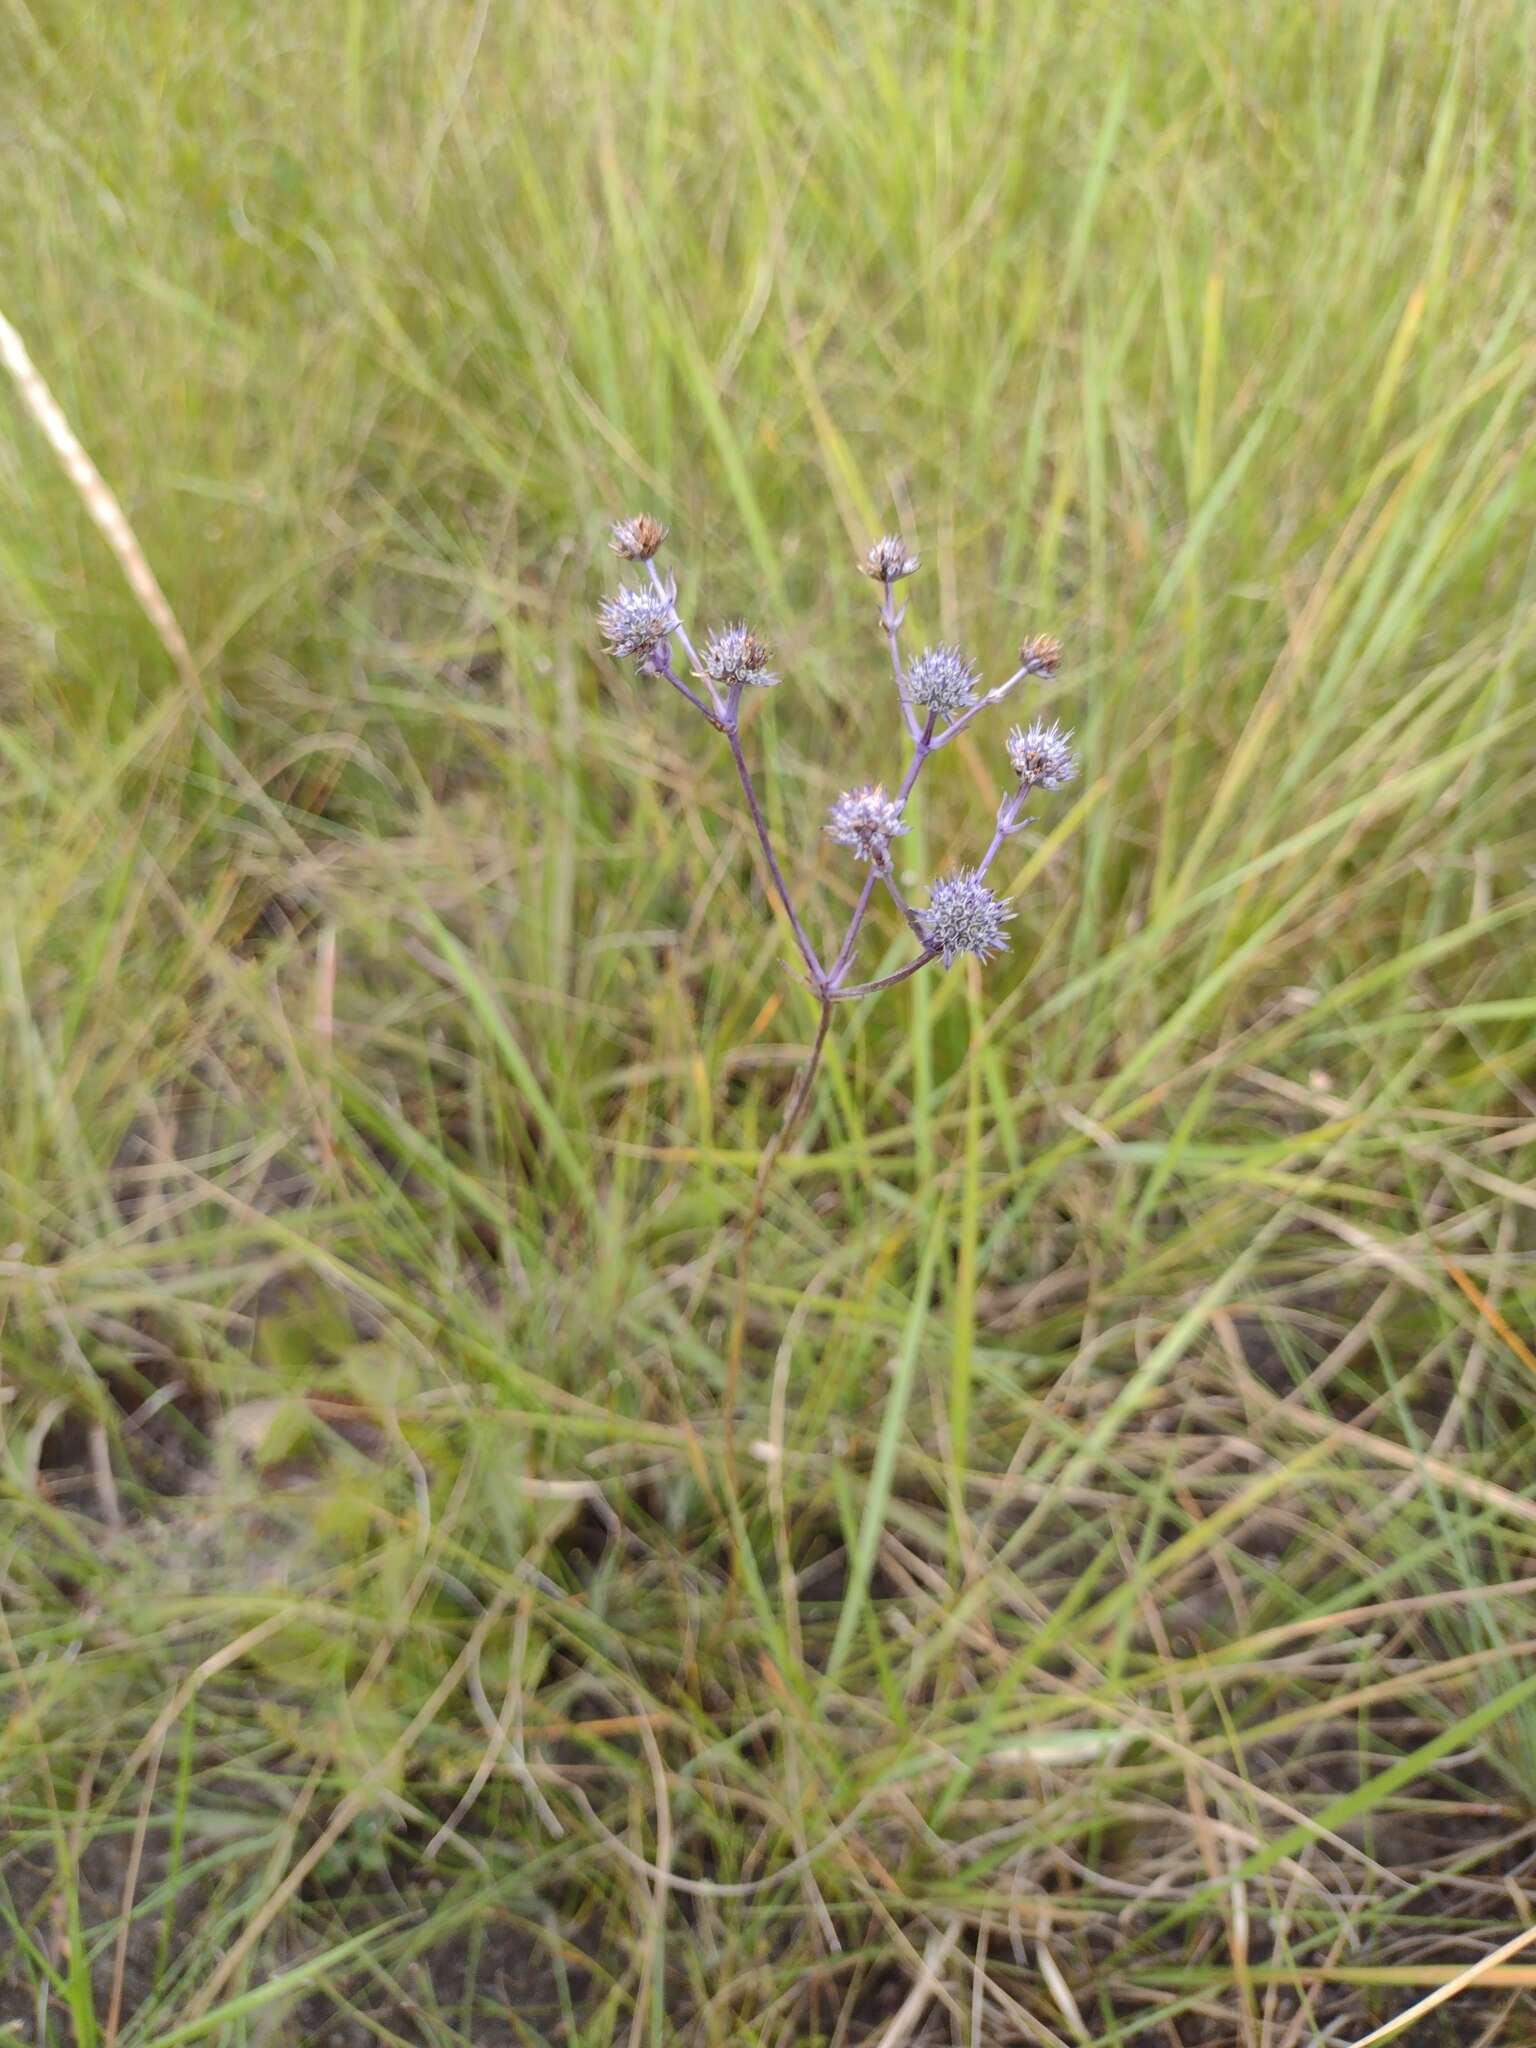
888	560
1041	754
1040	655
942	680
637	539
868	820
637	623
734	655
964	916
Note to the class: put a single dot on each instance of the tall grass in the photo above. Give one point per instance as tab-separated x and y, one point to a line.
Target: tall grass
1120	1626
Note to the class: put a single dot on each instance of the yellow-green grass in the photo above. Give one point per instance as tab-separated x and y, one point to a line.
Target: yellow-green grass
1119	1627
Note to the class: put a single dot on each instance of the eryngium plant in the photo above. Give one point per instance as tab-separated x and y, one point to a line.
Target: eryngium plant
940	696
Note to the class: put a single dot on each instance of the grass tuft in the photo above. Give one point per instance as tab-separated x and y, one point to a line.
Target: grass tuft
1118	1625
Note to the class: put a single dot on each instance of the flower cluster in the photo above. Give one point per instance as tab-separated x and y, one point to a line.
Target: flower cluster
637	623
1040	655
965	916
1041	755
941	680
867	820
939	696
888	560
734	658
639	538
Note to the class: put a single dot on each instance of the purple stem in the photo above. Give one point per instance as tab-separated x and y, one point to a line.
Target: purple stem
665	668
904	906
744	774
1008	822
891	619
839	966
727	718
670	594
920	752
985	703
873	988
922	747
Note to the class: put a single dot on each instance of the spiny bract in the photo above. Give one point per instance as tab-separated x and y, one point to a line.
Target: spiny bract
942	681
868	820
735	655
965	916
1041	755
636	623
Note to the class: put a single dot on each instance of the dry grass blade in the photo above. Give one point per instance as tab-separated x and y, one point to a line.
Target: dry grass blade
100	502
920	1997
347	1810
130	1887
1466	1980
1489	1313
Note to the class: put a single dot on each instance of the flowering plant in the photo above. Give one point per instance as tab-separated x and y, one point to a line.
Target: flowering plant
938	692
939	695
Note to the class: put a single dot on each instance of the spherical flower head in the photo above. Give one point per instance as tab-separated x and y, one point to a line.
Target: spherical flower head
942	681
1041	755
637	624
735	656
888	560
637	539
1040	655
868	820
964	916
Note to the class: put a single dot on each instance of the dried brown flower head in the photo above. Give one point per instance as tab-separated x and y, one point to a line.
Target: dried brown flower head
1040	655
888	561
637	539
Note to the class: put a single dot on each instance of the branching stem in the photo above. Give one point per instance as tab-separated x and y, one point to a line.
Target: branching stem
662	589
744	775
922	747
723	711
985	703
664	667
873	988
